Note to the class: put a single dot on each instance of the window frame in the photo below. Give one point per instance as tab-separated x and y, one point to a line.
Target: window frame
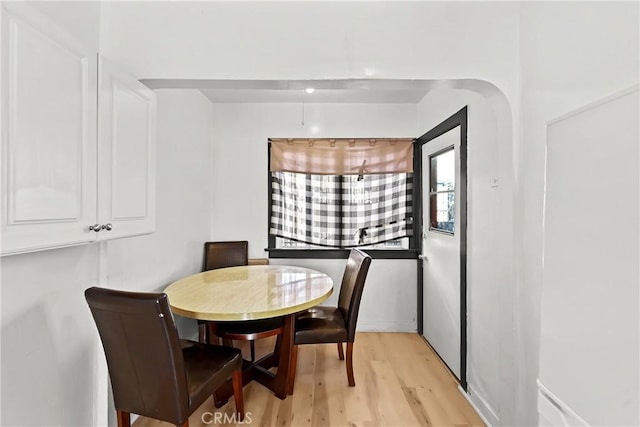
433	213
330	253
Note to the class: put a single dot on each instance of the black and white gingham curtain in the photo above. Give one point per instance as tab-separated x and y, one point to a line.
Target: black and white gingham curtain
341	211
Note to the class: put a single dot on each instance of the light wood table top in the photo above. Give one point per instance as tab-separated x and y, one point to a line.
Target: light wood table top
248	292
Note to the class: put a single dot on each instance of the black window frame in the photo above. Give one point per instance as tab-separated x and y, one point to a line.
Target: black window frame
333	253
434	194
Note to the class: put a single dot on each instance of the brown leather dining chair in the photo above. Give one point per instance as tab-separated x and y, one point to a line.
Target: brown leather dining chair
225	254
321	325
232	254
153	373
221	255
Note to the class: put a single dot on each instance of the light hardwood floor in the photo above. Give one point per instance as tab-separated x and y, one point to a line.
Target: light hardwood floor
399	382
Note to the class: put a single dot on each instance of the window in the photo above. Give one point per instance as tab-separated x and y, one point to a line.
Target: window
442	189
341	210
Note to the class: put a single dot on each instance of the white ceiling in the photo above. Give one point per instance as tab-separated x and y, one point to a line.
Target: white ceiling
293	91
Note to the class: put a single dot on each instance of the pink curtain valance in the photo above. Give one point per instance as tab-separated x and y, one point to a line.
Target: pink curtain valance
342	156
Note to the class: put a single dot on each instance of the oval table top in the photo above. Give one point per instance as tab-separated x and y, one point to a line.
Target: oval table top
248	292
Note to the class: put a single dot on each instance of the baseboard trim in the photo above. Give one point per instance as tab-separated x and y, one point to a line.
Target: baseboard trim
474	405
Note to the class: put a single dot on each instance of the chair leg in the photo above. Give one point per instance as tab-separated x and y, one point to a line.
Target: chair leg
252	345
292	367
212	338
237	393
352	381
202	332
124	419
340	351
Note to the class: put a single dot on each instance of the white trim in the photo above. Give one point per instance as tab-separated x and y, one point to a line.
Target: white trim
573	419
1	186
101	373
595	104
480	401
474	406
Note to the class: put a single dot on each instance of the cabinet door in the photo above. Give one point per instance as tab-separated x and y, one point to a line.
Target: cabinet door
49	88
126	160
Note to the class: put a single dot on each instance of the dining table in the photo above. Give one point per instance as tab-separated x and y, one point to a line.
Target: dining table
253	292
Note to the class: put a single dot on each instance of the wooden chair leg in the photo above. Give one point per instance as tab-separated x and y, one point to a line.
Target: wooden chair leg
352	381
237	393
340	351
202	332
292	367
124	419
212	338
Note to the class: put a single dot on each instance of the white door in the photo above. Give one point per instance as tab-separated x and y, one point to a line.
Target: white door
441	246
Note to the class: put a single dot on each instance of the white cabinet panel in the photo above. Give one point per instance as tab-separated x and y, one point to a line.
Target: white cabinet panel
126	154
48	140
589	331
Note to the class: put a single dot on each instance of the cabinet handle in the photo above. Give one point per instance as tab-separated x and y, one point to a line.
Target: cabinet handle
107	227
95	227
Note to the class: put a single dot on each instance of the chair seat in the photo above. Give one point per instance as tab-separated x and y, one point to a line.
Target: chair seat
206	366
249	328
320	325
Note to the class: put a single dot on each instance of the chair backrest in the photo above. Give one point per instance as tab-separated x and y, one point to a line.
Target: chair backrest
355	274
225	254
143	352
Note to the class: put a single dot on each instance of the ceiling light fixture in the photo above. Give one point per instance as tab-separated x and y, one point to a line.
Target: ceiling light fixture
309	90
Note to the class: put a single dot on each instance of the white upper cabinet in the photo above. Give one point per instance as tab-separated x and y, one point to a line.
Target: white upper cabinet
49	85
126	154
62	183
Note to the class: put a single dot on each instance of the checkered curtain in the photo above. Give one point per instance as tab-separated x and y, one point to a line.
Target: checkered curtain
341	210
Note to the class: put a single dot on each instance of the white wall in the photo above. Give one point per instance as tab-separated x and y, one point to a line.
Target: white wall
81	19
490	254
240	190
48	338
571	53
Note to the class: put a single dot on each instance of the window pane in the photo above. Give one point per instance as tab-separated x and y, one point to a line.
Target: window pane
341	211
442	191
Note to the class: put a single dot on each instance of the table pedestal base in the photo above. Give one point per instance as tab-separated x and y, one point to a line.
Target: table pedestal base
259	370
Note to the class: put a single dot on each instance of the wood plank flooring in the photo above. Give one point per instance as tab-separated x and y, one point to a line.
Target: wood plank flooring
399	382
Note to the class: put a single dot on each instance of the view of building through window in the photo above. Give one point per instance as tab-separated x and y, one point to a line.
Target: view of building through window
442	191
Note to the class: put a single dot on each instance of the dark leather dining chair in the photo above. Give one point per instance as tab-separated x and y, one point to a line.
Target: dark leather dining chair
232	254
221	255
321	325
154	373
225	254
